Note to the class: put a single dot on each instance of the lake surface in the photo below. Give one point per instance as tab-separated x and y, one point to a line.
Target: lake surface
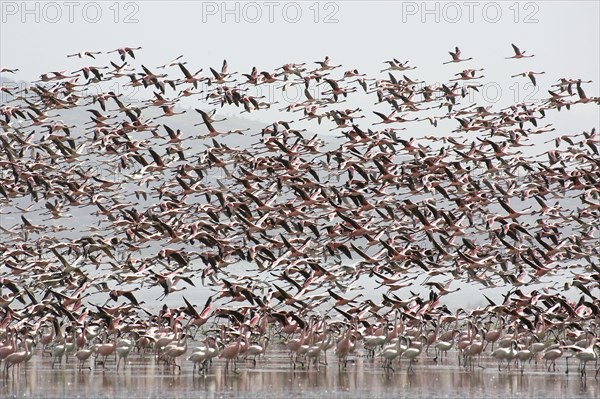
273	377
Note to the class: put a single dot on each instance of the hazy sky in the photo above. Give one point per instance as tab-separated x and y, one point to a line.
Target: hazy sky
563	35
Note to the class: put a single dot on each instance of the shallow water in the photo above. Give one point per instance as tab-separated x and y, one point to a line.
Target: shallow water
273	378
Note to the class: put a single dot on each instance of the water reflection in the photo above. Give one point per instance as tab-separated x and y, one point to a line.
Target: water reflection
273	378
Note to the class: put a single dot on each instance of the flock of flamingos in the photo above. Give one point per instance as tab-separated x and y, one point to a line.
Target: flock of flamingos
494	198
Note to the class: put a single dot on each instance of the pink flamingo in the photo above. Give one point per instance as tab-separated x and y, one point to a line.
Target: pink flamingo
105	350
344	347
177	350
17	358
231	352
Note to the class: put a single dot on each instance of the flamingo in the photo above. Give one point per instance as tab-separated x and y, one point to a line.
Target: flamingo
168	110
523	355
475	348
231	352
124	52
494	335
257	349
371	342
58	352
199	319
82	355
173	62
392	352
456	56
177	351
395	65
294	345
588	354
443	347
199	357
82	54
313	352
280	202
105	350
552	353
507	354
343	347
189	78
391	118
7	350
519	53
412	353
325	65
17	358
530	75
123	348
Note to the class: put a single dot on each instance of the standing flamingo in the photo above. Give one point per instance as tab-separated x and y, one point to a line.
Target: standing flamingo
105	350
17	358
178	350
231	352
82	355
123	348
343	348
412	353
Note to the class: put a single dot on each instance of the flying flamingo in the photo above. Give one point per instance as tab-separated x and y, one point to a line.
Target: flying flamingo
82	54
199	319
519	53
124	51
456	56
529	74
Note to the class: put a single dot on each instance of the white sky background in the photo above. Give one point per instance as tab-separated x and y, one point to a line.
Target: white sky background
564	36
